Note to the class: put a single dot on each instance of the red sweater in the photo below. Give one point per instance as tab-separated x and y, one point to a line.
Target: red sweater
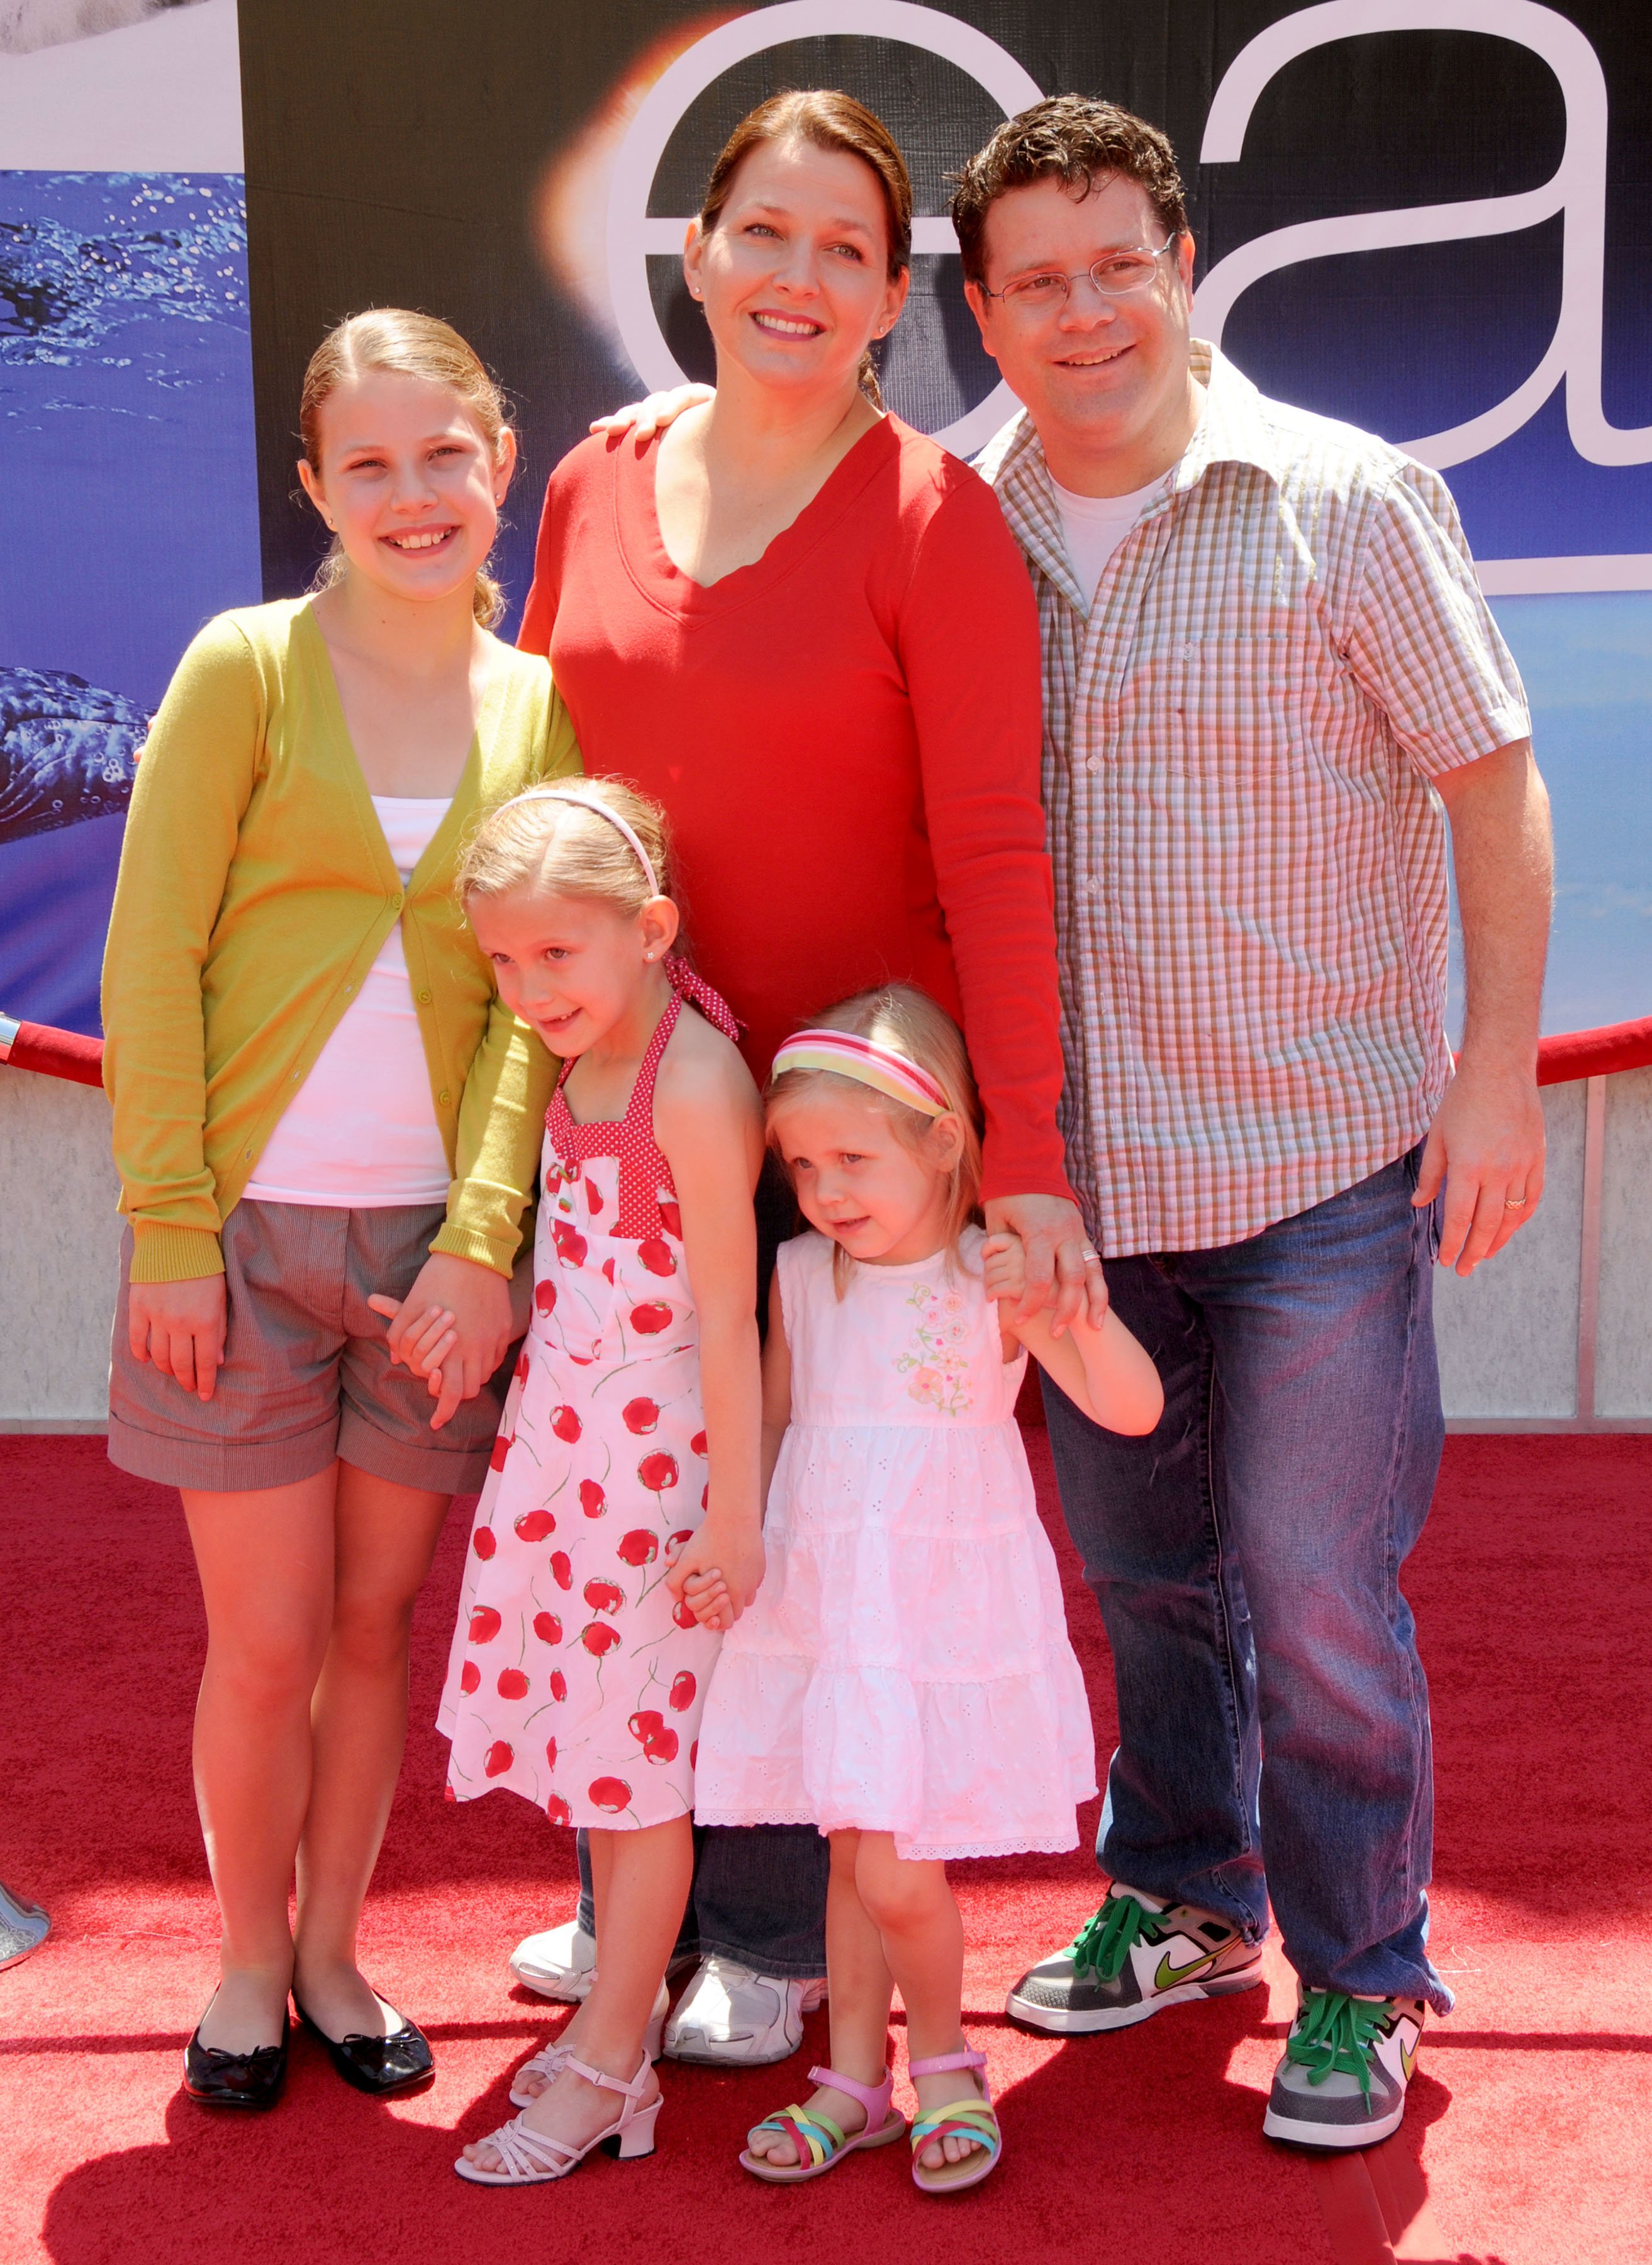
845	736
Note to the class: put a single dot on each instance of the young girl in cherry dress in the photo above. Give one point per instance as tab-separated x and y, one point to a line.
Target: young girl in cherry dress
627	1459
904	1679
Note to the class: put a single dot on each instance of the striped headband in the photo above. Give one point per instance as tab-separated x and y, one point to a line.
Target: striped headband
593	801
847	1055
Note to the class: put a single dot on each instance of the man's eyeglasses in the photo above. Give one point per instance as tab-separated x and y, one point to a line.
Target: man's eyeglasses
1117	275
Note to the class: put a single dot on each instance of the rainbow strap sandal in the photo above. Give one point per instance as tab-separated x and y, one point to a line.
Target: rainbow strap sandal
959	2119
820	2144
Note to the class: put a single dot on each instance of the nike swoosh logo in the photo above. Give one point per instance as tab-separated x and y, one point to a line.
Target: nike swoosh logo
1408	2060
1169	1976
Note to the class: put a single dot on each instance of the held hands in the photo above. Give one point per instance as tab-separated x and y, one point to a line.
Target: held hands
645	419
1486	1148
1103	1371
1061	1267
180	1327
718	1572
1004	1271
452	1329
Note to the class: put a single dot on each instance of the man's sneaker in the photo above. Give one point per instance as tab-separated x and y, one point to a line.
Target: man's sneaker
1347	2063
24	1926
561	1963
1136	1956
730	2017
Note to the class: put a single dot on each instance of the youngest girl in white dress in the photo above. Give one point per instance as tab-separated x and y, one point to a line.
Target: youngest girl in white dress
904	1680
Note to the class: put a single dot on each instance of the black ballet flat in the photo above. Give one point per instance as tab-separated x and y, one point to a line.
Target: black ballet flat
378	2065
227	2079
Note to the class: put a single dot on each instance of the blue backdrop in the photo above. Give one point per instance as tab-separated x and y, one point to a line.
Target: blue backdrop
147	483
131	509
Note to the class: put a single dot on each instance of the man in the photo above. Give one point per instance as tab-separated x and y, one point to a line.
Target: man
1267	664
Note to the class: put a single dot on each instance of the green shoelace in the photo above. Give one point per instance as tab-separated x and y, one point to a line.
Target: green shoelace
1104	1942
1337	2033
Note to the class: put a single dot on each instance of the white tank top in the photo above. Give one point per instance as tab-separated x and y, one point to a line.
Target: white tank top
360	1133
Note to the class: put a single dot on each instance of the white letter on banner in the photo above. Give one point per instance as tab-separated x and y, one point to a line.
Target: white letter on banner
1578	188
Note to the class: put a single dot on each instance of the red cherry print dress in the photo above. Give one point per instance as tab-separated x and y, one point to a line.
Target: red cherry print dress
573	1678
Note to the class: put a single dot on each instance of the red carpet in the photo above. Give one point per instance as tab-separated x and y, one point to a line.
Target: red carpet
1529	2128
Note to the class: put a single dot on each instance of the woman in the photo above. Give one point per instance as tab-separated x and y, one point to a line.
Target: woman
804	629
319	1100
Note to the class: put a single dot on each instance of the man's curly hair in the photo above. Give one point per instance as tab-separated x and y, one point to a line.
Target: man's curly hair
1074	140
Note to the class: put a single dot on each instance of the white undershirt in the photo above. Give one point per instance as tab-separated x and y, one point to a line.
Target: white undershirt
360	1133
1094	525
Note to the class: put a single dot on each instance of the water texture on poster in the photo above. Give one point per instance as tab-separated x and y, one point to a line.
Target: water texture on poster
126	437
126	421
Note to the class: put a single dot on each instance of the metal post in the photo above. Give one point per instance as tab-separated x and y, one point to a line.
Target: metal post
1588	1273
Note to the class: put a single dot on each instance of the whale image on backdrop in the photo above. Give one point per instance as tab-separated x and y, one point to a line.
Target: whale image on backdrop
126	397
67	751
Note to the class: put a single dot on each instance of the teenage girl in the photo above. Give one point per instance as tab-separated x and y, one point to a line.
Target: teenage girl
628	1462
318	1097
904	1680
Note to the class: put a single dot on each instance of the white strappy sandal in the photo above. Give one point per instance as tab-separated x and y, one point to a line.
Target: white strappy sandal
555	2058
527	2159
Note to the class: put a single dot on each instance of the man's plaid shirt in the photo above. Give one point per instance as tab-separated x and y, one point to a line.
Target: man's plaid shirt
1250	868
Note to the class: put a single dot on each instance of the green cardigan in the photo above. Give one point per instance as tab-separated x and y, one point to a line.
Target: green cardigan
256	889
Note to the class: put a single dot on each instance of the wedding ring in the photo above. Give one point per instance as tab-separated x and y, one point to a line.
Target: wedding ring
1091	1257
1514	1203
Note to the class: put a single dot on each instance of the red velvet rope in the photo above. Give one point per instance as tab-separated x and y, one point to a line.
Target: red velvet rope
1578	1053
1595	1053
54	1053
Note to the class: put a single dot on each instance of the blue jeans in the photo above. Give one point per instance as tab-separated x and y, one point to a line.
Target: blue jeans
759	1896
1273	1713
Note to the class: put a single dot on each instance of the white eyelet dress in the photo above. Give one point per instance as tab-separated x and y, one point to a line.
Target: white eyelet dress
575	1679
905	1667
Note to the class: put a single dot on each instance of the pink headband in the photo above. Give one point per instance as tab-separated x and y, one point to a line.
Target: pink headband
868	1063
593	802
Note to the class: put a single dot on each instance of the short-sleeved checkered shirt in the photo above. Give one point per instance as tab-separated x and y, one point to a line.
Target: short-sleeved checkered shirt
1251	873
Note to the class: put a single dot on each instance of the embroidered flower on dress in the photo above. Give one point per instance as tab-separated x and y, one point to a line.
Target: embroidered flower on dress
936	1368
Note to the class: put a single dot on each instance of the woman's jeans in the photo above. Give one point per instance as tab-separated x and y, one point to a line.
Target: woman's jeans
1273	1713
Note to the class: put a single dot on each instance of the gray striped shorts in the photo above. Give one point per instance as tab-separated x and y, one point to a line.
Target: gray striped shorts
306	1378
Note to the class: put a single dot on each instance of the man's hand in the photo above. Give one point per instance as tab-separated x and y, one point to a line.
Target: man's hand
1063	1268
1485	1146
180	1327
456	1296
644	418
1485	1143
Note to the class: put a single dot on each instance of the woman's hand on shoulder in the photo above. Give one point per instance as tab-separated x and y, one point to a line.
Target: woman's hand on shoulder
645	419
178	1328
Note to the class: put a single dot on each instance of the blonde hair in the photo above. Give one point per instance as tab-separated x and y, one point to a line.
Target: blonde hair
544	839
408	345
908	1022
